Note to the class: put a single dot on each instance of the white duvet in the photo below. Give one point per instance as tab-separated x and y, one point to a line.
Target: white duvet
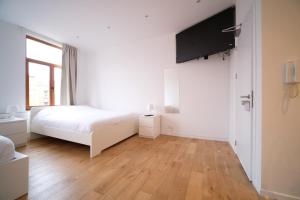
7	150
80	119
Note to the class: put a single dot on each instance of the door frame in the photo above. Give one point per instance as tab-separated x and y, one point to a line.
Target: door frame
257	91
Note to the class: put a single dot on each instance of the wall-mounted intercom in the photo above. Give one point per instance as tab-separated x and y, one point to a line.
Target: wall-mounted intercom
291	72
291	77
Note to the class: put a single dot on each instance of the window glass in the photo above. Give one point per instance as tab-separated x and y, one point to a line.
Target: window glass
39	84
44	73
42	52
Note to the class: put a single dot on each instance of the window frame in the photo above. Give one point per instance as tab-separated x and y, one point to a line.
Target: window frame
50	65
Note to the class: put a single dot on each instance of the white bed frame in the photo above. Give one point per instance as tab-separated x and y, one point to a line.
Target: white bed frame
14	176
98	140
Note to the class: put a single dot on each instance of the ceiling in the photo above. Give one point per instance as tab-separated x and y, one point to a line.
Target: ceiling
93	24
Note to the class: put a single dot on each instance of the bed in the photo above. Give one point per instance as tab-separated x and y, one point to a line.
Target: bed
13	171
96	128
7	150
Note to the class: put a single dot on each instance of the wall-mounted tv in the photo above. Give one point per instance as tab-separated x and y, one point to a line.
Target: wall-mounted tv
206	38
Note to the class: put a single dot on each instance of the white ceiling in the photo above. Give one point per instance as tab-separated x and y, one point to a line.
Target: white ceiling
105	22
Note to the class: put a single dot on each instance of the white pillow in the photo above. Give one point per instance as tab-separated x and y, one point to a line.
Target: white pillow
7	150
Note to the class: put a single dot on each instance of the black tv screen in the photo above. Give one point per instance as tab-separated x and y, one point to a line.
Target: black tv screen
206	38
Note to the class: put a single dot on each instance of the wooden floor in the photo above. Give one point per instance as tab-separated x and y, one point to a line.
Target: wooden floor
138	169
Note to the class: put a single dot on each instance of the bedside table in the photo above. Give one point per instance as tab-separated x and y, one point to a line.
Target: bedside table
149	126
15	129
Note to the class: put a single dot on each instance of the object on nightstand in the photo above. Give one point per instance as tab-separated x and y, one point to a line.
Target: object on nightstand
149	126
150	108
12	109
15	129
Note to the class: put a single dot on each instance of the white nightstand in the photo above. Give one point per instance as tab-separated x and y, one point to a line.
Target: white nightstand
15	129
149	126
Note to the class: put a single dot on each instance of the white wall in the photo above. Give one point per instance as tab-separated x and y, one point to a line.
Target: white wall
280	114
12	66
81	75
242	8
129	77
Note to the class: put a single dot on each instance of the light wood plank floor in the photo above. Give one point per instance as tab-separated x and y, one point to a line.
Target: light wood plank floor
139	169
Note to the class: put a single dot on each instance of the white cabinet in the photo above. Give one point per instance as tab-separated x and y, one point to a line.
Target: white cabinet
149	126
15	129
14	177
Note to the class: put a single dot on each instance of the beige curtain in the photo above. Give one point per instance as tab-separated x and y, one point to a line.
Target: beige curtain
69	75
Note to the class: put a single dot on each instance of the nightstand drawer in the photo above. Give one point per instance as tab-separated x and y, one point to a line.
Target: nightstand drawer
146	132
147	122
12	127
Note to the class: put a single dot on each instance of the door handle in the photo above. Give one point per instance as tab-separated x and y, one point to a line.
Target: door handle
247	96
244	102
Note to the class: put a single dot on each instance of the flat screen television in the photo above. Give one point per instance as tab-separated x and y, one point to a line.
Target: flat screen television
206	38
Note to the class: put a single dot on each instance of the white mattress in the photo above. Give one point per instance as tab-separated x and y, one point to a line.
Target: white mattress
7	150
77	119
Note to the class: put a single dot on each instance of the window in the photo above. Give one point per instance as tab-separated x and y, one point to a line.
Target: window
43	73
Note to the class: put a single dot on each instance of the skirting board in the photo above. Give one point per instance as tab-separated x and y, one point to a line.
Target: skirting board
195	136
277	195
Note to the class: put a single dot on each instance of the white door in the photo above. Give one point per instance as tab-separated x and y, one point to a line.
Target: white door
244	94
